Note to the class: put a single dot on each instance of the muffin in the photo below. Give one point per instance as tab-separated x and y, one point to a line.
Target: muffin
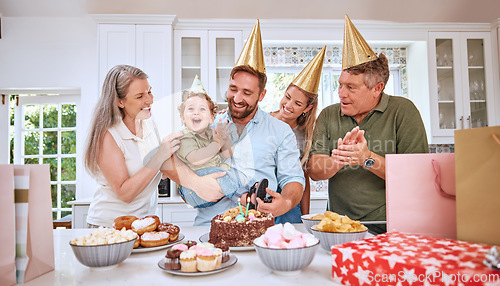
172	259
205	259
190	243
181	247
188	261
225	250
218	257
206	245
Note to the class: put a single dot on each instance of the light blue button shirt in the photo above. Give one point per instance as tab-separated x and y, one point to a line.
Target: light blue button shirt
266	148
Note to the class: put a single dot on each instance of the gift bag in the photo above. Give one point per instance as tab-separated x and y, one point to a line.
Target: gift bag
420	194
477	164
27	210
7	238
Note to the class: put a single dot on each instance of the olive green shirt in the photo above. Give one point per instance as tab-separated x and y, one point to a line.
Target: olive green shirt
193	141
393	127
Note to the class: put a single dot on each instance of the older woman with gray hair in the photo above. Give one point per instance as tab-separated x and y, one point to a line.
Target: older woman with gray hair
122	134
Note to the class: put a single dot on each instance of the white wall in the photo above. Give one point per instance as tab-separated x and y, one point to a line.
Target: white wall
53	52
379	10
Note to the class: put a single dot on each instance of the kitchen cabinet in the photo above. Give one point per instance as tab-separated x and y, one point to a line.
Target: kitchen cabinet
171	210
211	55
461	82
148	47
143	43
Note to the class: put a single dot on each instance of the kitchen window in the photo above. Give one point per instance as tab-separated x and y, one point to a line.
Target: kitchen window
45	133
284	63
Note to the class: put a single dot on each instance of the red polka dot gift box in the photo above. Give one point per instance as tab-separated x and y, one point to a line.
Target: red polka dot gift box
408	259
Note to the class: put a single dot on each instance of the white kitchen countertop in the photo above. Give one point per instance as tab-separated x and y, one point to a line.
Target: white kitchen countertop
142	268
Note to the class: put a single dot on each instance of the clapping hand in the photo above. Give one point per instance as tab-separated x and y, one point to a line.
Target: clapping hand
352	149
222	131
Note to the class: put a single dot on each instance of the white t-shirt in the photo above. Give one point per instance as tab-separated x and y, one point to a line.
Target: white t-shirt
105	205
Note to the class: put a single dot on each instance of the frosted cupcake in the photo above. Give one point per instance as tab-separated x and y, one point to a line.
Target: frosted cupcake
190	243
205	259
218	257
172	257
225	250
188	261
206	245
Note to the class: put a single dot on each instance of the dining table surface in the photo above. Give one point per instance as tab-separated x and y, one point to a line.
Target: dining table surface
141	268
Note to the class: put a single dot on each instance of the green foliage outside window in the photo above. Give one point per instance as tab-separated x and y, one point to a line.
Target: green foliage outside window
49	153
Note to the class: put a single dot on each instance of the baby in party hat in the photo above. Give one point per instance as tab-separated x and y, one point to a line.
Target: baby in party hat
203	148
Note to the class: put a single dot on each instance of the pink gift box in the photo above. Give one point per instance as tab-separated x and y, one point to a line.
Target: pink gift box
408	259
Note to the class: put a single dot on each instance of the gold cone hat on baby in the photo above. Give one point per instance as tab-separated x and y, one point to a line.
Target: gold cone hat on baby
197	87
356	50
252	54
309	78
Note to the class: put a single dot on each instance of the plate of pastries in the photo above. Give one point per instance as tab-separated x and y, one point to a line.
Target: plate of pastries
153	234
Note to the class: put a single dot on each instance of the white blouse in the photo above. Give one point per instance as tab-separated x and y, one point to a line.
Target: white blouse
105	205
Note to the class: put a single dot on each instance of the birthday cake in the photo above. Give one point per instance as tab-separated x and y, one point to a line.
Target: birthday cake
237	227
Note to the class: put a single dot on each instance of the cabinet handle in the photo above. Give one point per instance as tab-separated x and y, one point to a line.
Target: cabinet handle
468	121
462	121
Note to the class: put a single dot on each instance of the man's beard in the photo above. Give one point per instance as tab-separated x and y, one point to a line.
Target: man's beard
241	114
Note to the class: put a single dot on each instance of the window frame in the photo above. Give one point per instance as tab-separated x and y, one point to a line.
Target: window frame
40	99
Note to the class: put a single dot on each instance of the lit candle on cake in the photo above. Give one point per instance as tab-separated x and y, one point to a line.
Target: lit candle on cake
241	211
248	204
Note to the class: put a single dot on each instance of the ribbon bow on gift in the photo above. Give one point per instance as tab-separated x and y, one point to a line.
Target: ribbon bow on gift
492	259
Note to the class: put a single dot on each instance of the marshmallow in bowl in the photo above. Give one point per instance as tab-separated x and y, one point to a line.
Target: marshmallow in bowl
285	237
105	236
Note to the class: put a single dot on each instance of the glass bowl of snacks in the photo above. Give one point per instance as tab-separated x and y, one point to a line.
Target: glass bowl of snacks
104	247
336	229
311	219
285	250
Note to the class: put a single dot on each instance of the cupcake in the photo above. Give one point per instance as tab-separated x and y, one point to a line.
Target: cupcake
188	261
205	259
190	243
218	257
225	250
206	245
181	247
172	259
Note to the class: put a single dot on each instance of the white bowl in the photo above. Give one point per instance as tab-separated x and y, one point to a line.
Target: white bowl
308	222
328	239
103	255
285	261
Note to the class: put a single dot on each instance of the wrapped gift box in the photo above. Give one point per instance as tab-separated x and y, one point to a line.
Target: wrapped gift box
408	259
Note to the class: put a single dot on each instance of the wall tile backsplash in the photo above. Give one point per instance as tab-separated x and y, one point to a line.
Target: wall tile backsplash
441	148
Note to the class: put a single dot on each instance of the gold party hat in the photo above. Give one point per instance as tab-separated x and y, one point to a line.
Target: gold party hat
356	50
309	78
252	54
197	87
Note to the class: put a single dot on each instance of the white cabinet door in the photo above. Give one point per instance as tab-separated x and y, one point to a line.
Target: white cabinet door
148	47
461	82
191	59
224	48
116	47
154	57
